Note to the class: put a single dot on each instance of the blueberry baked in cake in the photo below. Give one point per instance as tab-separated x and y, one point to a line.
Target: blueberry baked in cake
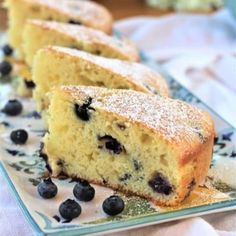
38	34
55	66
152	146
86	13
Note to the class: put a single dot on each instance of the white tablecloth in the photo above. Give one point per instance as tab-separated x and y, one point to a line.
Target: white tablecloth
171	40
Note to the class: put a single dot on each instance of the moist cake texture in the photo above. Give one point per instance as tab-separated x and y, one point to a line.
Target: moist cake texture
87	13
38	34
151	146
55	66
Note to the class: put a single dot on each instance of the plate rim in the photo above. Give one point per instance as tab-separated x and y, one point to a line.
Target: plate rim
122	224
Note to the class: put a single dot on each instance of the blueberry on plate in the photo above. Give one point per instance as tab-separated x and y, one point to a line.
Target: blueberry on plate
47	189
19	136
70	209
83	191
12	108
5	68
113	205
7	50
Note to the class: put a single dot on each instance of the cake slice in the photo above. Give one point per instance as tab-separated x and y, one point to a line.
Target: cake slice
151	146
55	66
38	34
87	13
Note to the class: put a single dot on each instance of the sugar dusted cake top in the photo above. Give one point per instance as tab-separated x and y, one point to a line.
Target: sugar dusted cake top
177	121
90	36
137	73
80	11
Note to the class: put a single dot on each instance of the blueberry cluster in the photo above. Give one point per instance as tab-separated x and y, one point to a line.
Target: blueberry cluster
5	65
82	191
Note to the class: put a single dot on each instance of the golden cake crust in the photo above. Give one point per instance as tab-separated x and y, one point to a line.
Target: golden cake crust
88	13
140	76
93	39
188	131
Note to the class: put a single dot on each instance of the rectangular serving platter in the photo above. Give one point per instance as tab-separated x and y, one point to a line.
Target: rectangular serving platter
23	169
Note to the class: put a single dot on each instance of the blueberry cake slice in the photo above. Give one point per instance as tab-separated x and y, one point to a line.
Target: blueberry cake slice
151	146
55	66
38	34
87	13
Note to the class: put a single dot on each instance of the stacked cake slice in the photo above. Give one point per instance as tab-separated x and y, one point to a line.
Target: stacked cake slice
55	66
110	119
38	34
79	12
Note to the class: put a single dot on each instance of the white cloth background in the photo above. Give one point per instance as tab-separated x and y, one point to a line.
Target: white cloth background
171	40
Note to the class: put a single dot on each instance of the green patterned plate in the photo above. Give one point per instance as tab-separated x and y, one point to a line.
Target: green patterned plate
23	169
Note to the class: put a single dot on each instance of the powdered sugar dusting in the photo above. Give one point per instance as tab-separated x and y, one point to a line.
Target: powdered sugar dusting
88	12
146	79
174	120
92	38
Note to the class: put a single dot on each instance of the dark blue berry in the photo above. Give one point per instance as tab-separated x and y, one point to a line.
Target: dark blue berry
12	108
113	205
5	68
82	111
74	22
47	189
70	209
160	184
29	84
19	136
111	144
7	50
83	191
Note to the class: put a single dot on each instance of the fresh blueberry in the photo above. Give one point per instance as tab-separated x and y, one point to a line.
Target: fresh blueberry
70	209
47	189
113	205
29	84
160	184
7	50
19	136
83	191
12	108
5	68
